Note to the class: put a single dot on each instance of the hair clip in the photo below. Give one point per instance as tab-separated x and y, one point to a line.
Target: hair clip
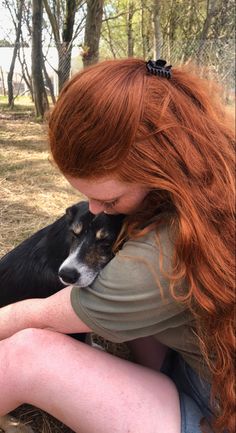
158	68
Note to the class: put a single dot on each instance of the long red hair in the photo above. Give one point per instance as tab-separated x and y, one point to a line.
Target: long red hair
174	137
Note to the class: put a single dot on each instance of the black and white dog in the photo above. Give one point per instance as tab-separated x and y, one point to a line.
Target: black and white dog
72	250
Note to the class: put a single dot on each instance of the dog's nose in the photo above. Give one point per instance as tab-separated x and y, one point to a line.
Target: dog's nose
68	275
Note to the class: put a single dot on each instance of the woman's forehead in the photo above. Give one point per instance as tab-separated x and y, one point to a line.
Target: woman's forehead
103	189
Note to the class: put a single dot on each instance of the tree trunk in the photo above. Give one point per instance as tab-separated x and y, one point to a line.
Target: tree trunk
130	29
64	43
13	61
158	40
40	96
109	35
49	83
189	30
92	31
24	70
64	63
66	46
143	29
3	82
212	11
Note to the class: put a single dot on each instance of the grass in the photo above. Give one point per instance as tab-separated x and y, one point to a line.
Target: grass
32	191
23	106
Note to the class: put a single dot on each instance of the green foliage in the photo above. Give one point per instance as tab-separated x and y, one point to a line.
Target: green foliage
201	31
5	43
181	23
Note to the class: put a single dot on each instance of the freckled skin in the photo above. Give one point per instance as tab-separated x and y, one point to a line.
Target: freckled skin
127	196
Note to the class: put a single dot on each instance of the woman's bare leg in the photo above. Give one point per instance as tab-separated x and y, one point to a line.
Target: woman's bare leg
87	389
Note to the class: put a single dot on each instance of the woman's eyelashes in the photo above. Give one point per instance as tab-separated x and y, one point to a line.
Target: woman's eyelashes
109	205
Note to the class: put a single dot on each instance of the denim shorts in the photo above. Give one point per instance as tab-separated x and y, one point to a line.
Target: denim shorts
194	393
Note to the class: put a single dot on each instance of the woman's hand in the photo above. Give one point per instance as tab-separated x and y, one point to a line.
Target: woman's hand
54	313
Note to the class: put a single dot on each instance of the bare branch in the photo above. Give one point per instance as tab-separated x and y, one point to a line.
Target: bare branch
109	35
53	22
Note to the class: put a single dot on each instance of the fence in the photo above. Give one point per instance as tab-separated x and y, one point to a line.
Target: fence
216	59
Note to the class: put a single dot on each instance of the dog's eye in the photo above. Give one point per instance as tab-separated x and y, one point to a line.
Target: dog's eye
101	234
73	234
77	228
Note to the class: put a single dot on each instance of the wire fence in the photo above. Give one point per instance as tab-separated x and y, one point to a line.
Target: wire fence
214	58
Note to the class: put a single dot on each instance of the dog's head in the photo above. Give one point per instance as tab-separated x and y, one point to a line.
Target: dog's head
91	241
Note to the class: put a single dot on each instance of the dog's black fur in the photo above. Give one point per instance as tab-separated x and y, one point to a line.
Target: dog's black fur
31	269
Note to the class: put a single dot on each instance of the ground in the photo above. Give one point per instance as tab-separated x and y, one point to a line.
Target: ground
32	191
32	194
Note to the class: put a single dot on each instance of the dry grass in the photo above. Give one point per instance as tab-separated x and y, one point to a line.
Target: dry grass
32	194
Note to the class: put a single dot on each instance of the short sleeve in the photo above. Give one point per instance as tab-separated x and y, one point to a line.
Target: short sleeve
130	298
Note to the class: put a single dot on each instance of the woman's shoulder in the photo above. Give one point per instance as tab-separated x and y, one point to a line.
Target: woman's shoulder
158	242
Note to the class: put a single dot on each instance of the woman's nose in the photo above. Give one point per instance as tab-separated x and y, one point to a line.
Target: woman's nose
95	207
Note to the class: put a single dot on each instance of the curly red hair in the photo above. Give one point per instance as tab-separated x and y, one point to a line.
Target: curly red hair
172	136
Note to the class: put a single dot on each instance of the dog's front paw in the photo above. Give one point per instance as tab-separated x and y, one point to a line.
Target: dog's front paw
8	424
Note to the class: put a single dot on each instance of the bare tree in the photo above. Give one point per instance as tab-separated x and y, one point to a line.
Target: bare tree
213	8
62	15
16	15
92	31
143	28
3	82
26	75
49	82
110	40
130	37
40	96
158	40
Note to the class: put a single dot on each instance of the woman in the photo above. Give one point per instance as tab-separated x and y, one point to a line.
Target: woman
151	143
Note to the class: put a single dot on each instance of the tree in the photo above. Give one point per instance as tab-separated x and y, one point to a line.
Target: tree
120	33
16	15
146	28
61	15
158	40
213	8
92	31
40	96
130	36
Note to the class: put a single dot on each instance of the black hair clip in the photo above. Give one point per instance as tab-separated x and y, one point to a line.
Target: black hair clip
158	68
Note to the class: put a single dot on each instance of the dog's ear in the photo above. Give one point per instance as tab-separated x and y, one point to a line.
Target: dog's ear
77	209
70	213
117	221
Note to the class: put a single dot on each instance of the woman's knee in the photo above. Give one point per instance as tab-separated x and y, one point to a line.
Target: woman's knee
21	351
16	360
27	341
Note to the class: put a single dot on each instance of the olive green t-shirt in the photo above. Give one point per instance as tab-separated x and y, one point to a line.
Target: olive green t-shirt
131	298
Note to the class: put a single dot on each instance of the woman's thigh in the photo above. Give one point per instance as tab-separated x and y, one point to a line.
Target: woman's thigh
87	389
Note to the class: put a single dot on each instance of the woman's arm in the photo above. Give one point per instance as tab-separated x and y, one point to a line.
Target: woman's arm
55	313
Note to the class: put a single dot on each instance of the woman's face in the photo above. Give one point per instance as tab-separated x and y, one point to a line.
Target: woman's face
110	195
